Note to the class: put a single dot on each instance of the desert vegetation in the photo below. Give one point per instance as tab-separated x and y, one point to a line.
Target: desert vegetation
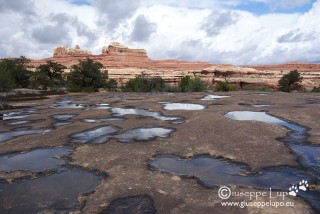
290	82
225	86
86	77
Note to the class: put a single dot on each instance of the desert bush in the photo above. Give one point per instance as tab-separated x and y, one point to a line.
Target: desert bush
19	71
290	81
316	89
111	85
142	83
188	84
6	79
266	88
86	77
49	75
172	88
224	87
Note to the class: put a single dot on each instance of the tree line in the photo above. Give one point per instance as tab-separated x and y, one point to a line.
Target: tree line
83	77
86	76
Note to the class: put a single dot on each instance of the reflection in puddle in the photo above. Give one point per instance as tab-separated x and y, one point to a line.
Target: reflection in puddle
96	135
101	120
213	172
4	136
18	114
297	136
142	204
183	106
22	122
264	117
255	105
102	106
18	122
261	105
37	161
254	116
120	112
63	116
68	104
308	156
57	192
143	134
214	97
296	140
104	133
64	123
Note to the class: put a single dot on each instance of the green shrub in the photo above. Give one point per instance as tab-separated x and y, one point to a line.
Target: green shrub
266	88
86	77
290	81
187	84
316	89
111	85
249	88
49	76
6	79
143	83
19	72
256	88
172	88
224	87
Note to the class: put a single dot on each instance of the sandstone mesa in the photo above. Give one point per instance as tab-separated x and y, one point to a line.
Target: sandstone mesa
122	63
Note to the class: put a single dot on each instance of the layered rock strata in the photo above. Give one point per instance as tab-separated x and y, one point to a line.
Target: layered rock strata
123	63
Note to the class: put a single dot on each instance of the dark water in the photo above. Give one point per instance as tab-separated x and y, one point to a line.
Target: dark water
58	192
96	135
141	204
36	161
213	172
120	112
143	134
5	136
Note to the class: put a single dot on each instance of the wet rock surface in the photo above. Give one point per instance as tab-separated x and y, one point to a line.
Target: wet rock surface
263	152
141	204
36	161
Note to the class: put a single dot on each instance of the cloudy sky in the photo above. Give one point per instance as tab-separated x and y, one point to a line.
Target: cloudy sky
240	32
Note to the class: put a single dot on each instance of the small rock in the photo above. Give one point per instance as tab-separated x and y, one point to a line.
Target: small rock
176	178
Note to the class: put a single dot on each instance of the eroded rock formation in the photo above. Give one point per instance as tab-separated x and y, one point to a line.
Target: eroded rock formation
64	51
123	63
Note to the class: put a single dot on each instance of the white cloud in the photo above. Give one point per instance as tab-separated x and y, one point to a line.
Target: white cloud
188	30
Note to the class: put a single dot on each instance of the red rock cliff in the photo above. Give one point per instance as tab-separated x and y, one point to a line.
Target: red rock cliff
123	63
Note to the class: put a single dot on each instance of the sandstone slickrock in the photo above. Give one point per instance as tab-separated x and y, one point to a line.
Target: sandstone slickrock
64	51
123	63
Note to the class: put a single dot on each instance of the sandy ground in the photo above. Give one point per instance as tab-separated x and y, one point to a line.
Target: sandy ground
205	131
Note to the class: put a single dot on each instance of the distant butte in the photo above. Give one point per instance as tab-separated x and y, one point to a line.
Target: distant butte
123	63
